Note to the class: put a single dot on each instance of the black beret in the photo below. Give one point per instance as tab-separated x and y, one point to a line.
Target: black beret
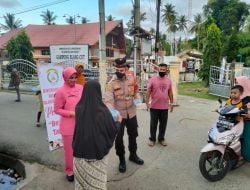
120	62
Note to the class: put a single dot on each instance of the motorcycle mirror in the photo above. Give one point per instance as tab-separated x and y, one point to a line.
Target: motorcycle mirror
220	101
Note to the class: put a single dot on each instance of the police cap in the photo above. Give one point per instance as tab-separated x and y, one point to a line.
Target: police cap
120	62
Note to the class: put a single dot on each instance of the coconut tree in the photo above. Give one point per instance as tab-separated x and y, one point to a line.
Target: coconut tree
70	20
196	26
84	20
48	17
11	22
183	24
169	17
110	18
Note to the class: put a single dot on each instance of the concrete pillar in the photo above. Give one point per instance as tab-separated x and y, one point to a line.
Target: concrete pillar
103	75
238	69
175	75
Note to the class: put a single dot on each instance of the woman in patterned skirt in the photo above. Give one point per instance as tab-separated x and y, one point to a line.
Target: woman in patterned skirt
94	135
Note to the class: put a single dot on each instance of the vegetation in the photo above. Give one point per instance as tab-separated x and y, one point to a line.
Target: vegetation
195	89
212	52
84	20
11	22
20	47
110	18
48	17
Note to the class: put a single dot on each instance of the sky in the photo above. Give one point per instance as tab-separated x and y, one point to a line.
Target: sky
120	9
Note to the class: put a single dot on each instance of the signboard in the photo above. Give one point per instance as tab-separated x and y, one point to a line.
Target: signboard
50	78
146	47
72	53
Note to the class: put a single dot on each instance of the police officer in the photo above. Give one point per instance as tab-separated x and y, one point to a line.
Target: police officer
120	95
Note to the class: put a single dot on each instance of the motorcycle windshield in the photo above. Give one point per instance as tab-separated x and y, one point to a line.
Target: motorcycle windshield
229	109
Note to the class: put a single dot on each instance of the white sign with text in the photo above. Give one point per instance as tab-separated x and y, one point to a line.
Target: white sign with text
50	78
73	53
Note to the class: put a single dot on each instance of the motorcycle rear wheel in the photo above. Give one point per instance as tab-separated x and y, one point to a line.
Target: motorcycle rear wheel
218	165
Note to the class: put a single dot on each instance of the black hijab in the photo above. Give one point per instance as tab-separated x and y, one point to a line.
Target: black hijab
95	128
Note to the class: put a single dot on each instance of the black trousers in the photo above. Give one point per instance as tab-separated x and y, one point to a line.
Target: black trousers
132	131
155	116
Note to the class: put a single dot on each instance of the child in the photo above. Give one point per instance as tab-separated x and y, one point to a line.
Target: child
40	107
235	97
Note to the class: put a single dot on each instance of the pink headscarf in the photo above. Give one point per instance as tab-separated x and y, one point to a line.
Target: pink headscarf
67	73
245	83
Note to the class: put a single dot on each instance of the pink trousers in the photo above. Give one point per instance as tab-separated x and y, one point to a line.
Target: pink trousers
68	154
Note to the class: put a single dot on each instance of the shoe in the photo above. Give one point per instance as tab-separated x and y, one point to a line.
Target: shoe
122	165
163	143
38	124
151	143
17	100
134	158
70	178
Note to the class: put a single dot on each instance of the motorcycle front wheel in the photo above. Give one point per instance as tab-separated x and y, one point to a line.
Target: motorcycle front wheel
213	165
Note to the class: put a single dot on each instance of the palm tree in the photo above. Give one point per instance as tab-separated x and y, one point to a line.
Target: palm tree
10	22
84	20
196	26
168	13
110	18
182	24
48	17
169	17
70	20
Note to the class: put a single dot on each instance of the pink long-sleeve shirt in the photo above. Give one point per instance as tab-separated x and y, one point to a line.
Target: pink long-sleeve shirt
66	98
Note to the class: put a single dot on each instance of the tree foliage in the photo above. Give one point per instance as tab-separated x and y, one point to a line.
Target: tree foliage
110	18
84	20
229	15
48	17
70	20
212	51
20	47
11	22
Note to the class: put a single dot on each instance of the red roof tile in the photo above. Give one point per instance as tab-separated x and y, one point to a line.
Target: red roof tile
45	35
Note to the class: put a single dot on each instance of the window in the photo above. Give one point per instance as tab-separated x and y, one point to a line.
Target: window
45	52
109	53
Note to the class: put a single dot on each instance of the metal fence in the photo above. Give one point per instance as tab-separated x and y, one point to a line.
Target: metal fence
220	81
27	71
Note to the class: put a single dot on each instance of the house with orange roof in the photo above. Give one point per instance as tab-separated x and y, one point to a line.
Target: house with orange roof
42	36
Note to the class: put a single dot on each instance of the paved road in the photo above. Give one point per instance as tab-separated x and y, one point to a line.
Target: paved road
173	167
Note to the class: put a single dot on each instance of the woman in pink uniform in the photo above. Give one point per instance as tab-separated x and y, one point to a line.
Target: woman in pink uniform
66	98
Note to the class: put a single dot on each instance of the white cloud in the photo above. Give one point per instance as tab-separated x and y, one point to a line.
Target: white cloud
124	10
9	3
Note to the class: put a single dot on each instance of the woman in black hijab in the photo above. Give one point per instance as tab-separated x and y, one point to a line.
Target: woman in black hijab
94	135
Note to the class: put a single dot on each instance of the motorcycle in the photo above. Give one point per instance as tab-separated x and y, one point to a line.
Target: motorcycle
223	150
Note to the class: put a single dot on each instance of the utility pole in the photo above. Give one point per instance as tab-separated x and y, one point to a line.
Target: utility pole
157	37
137	19
102	46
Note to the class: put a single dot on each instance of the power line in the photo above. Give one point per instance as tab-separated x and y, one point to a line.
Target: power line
39	7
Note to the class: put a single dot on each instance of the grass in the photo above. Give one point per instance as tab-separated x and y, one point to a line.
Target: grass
195	89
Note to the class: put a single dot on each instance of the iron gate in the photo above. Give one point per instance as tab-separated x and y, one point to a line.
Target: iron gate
220	81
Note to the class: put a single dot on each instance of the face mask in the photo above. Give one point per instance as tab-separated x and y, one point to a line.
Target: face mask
120	75
162	74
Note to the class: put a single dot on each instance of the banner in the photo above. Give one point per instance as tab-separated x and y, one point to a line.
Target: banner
63	53
50	78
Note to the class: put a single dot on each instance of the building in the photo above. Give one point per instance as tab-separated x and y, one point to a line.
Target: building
42	36
190	59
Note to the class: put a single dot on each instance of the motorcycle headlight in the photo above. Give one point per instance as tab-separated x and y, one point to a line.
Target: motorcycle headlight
225	140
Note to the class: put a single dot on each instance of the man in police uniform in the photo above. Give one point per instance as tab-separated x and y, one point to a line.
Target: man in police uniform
120	95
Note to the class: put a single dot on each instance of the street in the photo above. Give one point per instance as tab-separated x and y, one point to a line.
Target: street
166	168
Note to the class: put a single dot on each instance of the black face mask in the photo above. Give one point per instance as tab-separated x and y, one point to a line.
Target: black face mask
119	75
162	74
